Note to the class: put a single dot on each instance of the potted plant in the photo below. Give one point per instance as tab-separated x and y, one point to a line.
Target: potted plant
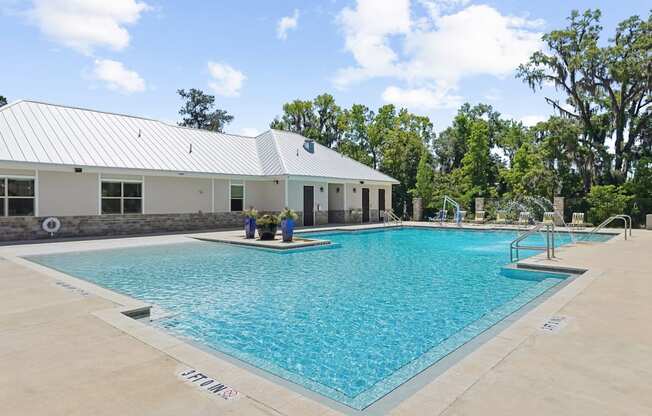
287	218
250	222
267	225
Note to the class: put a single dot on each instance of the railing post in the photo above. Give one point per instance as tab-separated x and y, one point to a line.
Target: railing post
548	241
553	240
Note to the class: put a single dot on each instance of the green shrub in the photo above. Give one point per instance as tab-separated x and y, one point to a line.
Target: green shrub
251	213
287	214
605	201
266	220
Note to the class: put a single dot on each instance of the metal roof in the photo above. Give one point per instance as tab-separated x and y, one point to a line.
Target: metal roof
35	132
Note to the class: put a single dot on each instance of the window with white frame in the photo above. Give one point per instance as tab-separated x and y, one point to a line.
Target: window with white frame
16	197
237	197
122	197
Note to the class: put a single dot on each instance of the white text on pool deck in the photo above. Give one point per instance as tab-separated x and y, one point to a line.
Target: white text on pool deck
209	385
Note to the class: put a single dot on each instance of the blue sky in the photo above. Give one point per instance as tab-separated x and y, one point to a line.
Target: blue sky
130	56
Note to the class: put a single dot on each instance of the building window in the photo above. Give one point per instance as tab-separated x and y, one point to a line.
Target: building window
122	197
237	197
16	197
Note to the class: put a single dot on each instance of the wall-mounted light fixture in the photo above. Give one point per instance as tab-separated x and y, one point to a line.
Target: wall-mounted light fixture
354	190
337	190
321	189
361	182
78	170
276	181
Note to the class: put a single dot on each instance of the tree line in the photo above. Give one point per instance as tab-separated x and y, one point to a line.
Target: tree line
596	148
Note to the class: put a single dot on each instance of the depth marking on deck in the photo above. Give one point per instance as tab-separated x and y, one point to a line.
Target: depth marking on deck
554	324
72	288
208	384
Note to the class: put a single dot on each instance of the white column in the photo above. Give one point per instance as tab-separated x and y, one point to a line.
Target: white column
142	193
346	207
99	194
287	188
36	192
212	194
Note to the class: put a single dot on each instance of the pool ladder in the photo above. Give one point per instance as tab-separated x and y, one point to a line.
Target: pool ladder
390	218
549	248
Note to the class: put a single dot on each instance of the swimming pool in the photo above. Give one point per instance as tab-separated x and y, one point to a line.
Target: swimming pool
351	322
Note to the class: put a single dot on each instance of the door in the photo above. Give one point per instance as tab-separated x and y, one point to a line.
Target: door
365	204
308	204
381	203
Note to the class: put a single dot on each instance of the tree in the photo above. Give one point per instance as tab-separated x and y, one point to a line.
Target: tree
451	144
425	181
608	88
529	175
320	119
355	142
477	166
3	101
198	111
556	142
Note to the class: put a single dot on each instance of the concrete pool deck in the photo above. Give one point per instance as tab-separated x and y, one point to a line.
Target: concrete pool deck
66	348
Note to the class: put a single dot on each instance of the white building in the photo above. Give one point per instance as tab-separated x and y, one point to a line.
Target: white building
103	173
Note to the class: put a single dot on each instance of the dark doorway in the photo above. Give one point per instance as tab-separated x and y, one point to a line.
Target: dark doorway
381	203
308	203
365	204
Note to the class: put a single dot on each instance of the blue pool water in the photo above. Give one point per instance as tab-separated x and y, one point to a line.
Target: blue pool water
351	322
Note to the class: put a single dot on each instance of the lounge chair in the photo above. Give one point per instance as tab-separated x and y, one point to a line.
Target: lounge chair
501	217
479	217
524	218
578	220
548	217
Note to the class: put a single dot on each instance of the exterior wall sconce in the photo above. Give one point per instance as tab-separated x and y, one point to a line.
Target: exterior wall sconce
276	181
337	190
361	182
354	190
321	189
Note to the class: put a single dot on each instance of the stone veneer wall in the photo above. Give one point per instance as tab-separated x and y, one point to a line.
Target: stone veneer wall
29	228
336	216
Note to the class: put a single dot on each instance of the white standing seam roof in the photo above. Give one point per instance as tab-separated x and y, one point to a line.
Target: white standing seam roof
35	132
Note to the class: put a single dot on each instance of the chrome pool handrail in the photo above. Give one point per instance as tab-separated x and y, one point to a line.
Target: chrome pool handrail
627	223
549	248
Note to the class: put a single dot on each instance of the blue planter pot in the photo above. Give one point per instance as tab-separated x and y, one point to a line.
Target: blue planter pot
287	227
250	227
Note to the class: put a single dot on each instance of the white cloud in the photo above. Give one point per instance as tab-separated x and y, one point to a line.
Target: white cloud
249	131
227	81
287	23
367	29
435	52
421	98
85	24
117	77
532	120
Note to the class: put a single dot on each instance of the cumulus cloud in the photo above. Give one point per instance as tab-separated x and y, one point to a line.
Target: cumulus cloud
226	80
83	25
286	24
432	98
448	43
532	120
249	131
117	77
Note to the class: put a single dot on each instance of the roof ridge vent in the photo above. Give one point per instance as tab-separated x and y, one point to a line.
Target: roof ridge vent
309	145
